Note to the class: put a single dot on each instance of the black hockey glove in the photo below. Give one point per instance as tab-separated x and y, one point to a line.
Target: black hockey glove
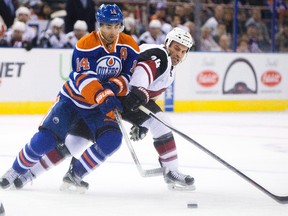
137	96
138	133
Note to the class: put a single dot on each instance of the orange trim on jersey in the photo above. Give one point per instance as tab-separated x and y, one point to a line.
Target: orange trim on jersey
110	115
67	87
89	41
90	90
89	161
129	40
93	40
81	77
23	160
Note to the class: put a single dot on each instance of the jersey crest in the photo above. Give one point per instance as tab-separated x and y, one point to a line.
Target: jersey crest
108	66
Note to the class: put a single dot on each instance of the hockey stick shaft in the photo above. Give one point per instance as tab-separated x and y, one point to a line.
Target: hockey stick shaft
143	173
279	199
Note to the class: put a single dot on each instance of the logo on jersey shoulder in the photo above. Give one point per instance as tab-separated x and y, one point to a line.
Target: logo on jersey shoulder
108	66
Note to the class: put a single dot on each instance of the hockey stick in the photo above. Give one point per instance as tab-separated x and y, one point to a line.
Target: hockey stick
279	199
143	173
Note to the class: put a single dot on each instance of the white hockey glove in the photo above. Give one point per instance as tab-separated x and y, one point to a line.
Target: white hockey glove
138	133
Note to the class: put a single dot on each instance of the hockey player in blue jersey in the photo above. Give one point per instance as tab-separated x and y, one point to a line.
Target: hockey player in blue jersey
154	72
102	64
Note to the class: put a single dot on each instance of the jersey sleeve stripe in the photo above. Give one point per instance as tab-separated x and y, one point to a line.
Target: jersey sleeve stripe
148	71
71	94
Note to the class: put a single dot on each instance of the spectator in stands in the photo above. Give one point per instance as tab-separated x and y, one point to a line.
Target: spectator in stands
176	22
79	30
45	11
253	38
14	36
130	27
80	10
153	35
243	45
180	11
282	9
228	20
225	43
30	34
241	22
3	28
192	28
188	12
263	37
282	39
213	21
161	15
7	11
221	30
54	37
207	43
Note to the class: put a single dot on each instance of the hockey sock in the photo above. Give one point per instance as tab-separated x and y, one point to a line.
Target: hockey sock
107	143
42	142
166	148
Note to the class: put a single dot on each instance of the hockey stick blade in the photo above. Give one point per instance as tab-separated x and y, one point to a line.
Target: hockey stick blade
143	172
279	199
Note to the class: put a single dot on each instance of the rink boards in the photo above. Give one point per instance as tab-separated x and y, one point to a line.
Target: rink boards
30	81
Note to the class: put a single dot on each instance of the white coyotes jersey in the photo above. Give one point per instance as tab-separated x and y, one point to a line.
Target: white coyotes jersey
154	70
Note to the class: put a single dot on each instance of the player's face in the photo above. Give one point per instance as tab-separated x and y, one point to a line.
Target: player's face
177	52
110	31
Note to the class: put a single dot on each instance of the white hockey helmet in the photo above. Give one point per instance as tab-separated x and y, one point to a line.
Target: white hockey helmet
57	22
181	36
22	10
80	25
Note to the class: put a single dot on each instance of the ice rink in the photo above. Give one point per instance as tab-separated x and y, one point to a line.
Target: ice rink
254	143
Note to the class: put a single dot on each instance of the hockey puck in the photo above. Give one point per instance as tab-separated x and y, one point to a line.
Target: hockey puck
192	205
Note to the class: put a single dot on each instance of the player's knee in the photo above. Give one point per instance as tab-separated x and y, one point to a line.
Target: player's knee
42	142
109	141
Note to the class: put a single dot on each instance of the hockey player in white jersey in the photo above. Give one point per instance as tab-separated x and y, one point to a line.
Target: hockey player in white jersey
154	73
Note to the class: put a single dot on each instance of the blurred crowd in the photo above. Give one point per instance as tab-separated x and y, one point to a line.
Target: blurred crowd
61	23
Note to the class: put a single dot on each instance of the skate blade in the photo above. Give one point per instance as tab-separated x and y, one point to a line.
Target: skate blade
175	187
70	188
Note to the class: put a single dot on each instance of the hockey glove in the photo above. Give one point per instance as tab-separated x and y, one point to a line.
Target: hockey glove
112	86
107	101
138	96
117	85
138	133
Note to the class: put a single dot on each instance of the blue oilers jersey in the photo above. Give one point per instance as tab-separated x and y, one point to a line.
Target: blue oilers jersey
94	63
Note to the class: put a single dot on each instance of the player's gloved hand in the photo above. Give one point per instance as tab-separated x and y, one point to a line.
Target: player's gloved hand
137	96
138	133
107	101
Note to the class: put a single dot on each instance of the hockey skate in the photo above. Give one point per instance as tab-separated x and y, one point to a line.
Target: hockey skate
73	183
8	178
22	180
179	181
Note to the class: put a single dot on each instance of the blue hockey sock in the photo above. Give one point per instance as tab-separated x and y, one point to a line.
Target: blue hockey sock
41	143
96	154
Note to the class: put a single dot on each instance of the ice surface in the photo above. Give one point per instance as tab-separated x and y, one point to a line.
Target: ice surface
255	143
